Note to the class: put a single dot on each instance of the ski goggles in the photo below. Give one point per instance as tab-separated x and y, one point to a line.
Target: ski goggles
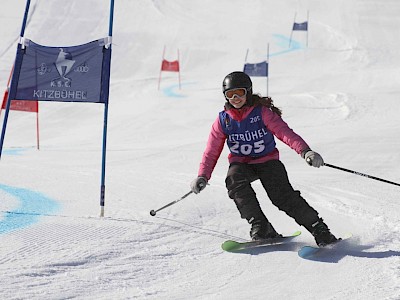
240	92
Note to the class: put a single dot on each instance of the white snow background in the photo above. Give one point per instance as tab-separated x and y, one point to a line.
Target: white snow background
341	94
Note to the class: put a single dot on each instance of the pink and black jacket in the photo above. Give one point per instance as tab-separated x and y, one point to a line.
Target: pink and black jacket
249	133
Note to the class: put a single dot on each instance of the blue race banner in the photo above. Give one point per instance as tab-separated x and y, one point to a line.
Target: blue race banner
300	26
256	70
63	74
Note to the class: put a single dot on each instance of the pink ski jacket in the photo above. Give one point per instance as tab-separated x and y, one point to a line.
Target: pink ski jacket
274	124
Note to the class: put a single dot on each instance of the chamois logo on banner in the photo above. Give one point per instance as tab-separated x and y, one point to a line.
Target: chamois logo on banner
64	64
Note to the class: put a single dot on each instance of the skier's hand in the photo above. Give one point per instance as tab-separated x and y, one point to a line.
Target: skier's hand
313	158
198	184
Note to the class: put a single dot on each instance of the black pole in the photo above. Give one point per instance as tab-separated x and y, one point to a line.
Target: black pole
361	174
153	212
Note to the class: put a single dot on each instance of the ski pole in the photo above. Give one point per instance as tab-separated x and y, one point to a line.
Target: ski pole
153	212
361	174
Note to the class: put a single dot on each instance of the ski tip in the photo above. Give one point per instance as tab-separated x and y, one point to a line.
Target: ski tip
307	251
229	245
346	236
296	233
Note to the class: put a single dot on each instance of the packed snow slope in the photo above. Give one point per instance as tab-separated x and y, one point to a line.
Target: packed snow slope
340	93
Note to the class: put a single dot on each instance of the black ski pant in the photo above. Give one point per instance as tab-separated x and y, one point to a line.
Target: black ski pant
274	178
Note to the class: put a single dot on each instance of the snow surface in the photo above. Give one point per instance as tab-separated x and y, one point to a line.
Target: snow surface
341	94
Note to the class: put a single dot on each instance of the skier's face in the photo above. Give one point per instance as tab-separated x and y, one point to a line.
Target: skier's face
237	102
236	97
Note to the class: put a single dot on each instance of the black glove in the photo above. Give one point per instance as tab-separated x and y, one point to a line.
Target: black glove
198	184
313	158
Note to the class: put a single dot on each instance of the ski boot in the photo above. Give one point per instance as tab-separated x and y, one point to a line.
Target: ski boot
322	234
261	230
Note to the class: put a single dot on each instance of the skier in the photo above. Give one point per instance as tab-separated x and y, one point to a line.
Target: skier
249	123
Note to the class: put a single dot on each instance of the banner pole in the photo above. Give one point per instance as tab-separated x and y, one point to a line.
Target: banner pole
110	27
308	23
15	75
3	131
179	71
8	90
37	125
162	60
267	69
291	33
245	58
103	162
28	3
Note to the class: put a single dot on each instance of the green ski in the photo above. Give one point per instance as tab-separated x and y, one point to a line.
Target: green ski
234	246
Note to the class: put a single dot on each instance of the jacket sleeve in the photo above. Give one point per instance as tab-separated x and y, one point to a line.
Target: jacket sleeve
213	150
282	131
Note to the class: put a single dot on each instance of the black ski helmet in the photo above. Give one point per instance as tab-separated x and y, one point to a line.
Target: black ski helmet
237	80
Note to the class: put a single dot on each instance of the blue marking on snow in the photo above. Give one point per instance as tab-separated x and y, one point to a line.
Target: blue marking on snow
31	206
171	90
283	42
14	151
